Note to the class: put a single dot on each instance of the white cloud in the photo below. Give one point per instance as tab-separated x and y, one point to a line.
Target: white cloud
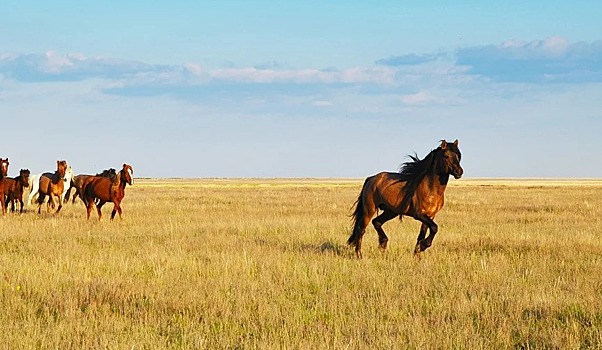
379	75
55	63
553	59
321	103
418	99
193	68
556	45
53	66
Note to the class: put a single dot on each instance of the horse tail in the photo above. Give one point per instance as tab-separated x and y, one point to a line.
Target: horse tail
83	192
357	217
34	185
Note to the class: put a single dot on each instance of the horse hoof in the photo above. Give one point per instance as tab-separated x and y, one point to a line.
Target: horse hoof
417	249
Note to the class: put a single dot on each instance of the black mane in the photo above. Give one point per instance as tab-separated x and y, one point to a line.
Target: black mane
413	172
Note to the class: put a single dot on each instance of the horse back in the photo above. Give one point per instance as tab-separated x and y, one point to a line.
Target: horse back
385	191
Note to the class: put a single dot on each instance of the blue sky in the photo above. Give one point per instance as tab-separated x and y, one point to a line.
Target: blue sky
301	88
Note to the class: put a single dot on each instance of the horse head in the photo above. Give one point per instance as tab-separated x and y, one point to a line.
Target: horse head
127	174
450	157
24	174
4	167
61	168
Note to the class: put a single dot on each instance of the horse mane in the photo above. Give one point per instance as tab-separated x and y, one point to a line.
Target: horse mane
117	180
413	172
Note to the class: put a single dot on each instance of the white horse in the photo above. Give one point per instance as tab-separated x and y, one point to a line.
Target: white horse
34	184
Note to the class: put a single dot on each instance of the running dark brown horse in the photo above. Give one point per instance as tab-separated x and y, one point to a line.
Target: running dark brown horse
98	190
3	173
51	185
417	190
78	181
13	189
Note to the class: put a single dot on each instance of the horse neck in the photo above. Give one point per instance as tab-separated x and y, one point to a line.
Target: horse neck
437	180
19	182
120	181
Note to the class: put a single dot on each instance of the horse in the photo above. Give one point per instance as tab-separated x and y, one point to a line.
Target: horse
101	189
51	185
34	183
3	173
13	189
78	181
417	190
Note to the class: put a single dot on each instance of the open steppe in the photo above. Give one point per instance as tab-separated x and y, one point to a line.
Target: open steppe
262	263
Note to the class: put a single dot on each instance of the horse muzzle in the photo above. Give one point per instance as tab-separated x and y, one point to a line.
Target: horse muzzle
457	173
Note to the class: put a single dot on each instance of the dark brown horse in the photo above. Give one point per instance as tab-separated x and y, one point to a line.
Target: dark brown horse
78	181
3	173
51	185
416	190
13	189
103	190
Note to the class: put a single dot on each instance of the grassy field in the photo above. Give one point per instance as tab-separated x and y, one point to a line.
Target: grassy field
244	264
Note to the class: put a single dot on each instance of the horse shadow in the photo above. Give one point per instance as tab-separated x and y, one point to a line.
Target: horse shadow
326	248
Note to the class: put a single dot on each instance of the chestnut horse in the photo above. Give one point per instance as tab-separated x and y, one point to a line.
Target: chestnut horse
34	183
78	181
13	189
416	190
101	189
3	173
51	185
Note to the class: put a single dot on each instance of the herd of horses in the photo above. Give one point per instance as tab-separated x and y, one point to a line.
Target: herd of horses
93	190
417	191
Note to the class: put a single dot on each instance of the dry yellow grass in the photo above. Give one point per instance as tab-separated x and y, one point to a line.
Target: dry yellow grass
263	264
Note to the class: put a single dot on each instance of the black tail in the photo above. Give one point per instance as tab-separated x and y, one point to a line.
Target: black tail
356	217
82	193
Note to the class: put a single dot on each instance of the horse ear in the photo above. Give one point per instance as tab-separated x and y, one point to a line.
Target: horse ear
124	165
443	144
456	143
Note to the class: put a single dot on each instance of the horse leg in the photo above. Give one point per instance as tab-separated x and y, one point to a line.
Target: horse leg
66	195
99	209
378	222
89	205
75	195
50	202
32	194
60	204
40	201
116	209
424	243
422	233
21	203
3	203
